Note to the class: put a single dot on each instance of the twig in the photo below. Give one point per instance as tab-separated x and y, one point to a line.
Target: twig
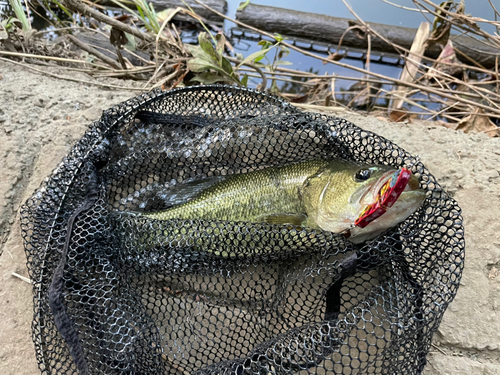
438	348
110	74
120	58
28	12
72	79
164	24
469	86
455	21
448	117
320	77
90	3
62	59
166	79
179	40
263	84
157	39
96	72
496	74
418	55
319	107
468	58
157	69
58	29
93	51
299	73
339	44
445	109
398	48
179	80
406	99
491	130
494	9
41	15
332	90
21	277
84	9
305	83
402	7
368	51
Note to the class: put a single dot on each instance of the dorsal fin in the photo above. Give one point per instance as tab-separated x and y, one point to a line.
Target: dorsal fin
186	191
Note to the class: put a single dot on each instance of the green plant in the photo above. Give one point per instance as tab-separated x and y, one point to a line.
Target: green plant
280	52
210	63
6	25
48	8
20	15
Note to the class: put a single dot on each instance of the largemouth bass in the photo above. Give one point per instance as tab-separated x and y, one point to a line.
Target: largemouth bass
331	195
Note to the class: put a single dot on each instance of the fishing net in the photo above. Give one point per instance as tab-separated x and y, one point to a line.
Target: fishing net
116	293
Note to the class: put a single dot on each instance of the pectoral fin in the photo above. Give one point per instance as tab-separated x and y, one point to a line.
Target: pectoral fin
283	219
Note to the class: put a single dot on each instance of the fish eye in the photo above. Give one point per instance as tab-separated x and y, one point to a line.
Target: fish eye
362	175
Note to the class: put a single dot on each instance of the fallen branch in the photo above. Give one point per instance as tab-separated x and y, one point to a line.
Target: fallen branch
93	51
80	7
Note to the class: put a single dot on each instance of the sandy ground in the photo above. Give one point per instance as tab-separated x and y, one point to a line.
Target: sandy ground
41	117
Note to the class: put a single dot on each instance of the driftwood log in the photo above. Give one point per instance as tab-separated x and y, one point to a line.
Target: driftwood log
327	29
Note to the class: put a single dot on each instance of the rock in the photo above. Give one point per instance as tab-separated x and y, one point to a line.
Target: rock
439	364
92	114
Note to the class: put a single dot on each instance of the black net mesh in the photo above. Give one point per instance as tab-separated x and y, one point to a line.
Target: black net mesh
119	294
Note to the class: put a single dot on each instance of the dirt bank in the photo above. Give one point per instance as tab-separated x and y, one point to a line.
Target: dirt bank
41	117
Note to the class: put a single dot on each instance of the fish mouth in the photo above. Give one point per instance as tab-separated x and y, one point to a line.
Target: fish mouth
384	193
372	192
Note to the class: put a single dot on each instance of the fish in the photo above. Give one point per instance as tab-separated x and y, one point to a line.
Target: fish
359	201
